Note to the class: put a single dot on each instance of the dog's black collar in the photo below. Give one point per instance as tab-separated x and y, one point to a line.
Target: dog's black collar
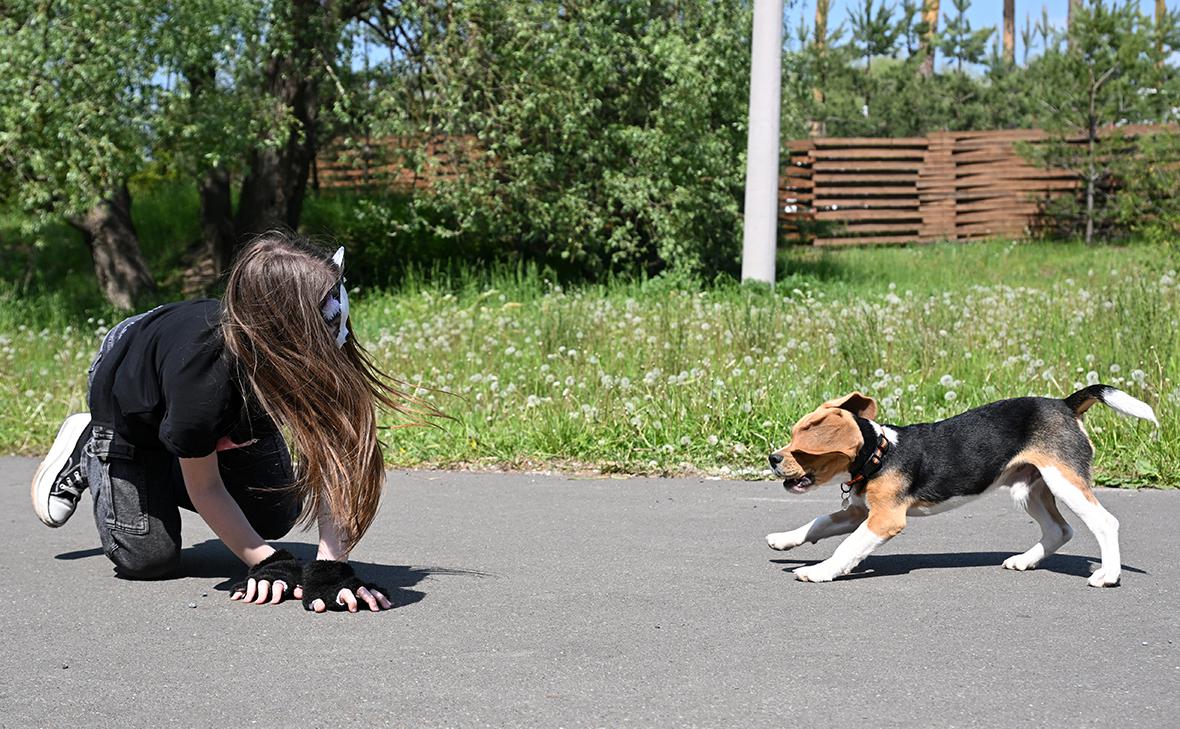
870	458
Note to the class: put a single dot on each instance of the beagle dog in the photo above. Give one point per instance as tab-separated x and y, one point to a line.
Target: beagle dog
1035	446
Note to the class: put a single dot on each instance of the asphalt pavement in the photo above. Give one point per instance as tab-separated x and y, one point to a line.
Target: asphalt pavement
556	601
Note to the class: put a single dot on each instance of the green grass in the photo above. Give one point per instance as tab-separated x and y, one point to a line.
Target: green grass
666	377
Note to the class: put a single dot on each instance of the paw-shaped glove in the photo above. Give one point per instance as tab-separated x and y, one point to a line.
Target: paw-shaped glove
325	579
279	567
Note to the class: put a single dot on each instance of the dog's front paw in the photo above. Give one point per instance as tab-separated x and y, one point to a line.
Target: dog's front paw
782	541
1020	562
814	573
1104	578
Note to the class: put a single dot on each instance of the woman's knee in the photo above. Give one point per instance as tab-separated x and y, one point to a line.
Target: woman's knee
143	564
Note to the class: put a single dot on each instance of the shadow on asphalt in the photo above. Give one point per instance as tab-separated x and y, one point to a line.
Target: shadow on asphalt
901	564
211	559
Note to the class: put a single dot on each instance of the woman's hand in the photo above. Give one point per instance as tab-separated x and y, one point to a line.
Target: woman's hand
372	597
263	592
332	585
269	581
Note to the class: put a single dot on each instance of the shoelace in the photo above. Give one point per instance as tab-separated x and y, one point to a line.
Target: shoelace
72	483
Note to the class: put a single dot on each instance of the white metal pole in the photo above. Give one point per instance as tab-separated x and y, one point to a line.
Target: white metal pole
761	224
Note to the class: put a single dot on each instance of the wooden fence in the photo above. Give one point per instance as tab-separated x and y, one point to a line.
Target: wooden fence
834	191
944	186
399	163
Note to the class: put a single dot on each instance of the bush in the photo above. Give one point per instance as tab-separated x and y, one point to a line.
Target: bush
603	137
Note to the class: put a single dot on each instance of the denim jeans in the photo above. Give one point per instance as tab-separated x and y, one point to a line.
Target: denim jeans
138	492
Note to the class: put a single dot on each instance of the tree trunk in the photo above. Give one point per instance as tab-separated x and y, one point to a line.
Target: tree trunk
930	16
1010	32
217	223
1091	167
119	265
216	248
821	48
274	188
1075	6
1161	12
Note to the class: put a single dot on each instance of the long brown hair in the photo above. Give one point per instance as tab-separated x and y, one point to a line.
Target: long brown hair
326	397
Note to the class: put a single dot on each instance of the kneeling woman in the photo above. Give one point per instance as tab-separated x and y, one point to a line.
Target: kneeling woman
186	402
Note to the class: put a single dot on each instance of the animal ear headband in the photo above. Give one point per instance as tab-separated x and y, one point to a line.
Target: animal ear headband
335	307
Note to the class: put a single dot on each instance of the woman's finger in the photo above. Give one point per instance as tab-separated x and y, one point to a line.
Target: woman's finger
277	588
318	605
364	594
345	597
382	600
298	594
251	585
263	590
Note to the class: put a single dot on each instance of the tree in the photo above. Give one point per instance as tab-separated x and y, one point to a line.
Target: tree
1096	83
929	46
1010	31
873	31
959	40
594	136
76	103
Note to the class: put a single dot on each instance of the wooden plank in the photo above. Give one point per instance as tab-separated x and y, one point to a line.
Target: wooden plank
867	240
998	217
850	214
867	165
882	202
830	142
888	177
868	190
871	226
870	153
990	229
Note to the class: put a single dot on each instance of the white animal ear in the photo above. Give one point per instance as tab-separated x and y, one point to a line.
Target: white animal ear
338	257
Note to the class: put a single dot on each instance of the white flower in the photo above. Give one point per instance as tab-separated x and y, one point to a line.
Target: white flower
711	440
946	381
1091	378
950	395
1115	369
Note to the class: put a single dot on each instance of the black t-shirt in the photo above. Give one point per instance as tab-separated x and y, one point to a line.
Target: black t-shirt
167	383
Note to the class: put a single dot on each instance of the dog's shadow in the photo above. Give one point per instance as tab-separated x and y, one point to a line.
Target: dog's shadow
211	559
883	565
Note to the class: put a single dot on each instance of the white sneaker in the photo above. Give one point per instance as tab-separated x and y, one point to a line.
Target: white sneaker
61	479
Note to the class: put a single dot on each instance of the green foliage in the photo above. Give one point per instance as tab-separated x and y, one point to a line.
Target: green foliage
1113	70
662	376
598	137
76	100
958	40
873	31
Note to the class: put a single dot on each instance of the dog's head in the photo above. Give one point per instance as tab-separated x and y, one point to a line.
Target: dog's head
824	443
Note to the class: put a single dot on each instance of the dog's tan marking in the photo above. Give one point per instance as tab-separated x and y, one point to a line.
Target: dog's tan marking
855	402
885	496
827	431
1041	459
1084	406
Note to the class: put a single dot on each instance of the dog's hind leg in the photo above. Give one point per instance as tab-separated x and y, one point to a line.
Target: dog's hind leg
821	527
1076	493
1038	501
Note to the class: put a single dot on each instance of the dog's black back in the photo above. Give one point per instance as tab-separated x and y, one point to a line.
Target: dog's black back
965	454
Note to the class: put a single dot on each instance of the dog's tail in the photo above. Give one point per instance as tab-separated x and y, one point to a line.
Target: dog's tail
1113	398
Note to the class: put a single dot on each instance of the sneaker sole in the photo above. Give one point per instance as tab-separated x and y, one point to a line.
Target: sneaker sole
59	453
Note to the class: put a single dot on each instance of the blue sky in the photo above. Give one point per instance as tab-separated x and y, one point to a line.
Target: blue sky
982	13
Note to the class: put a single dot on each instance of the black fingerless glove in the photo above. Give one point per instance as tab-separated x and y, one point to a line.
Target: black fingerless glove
323	579
279	567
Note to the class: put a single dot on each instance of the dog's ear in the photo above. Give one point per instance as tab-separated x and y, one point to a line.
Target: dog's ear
827	431
855	403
